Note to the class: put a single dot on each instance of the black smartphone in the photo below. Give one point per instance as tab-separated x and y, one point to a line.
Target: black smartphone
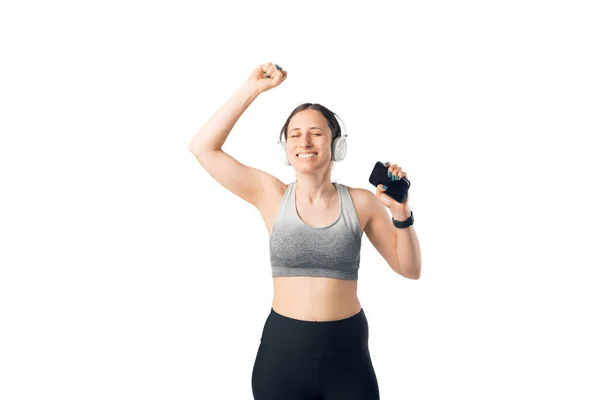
396	189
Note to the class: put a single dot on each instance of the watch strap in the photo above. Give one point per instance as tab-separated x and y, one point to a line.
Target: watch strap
404	224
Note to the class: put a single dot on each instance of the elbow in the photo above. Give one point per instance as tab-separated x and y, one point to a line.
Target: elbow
417	271
413	277
199	150
196	152
195	146
413	273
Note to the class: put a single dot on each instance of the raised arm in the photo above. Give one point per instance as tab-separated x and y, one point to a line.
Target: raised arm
244	181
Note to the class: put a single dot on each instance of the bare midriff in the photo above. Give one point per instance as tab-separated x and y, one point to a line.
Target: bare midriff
311	298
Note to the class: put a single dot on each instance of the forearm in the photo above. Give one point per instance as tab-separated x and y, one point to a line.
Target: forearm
213	134
408	249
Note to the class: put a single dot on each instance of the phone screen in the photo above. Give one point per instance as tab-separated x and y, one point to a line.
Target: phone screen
396	189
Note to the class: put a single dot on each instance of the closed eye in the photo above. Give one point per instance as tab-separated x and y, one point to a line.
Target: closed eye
318	134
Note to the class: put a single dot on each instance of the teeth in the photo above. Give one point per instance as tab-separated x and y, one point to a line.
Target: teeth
310	155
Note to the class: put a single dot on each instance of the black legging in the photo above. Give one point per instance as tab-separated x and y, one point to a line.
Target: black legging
325	360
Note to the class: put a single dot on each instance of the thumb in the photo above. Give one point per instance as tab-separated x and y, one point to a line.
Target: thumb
384	198
274	80
278	77
259	72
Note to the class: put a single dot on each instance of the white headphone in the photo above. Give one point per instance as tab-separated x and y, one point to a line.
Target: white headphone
338	147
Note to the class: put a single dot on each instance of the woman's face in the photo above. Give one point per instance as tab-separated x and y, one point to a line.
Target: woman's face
308	132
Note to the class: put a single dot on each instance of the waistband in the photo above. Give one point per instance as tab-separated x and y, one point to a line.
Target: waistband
348	336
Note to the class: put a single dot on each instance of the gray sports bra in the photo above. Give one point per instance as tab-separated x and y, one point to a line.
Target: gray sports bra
298	249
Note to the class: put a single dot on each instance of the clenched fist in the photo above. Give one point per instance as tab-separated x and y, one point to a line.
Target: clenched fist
267	76
400	211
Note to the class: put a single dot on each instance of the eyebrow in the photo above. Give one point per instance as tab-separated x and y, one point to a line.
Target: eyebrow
312	127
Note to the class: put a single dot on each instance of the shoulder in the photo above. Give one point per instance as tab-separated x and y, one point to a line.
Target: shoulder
360	195
363	200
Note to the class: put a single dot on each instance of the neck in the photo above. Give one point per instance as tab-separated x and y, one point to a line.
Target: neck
312	189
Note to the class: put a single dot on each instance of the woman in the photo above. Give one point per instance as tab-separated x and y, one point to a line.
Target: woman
314	344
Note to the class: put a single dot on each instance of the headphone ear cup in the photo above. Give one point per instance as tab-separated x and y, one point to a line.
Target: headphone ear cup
339	148
284	156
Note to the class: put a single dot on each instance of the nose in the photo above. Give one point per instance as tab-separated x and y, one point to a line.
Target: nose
306	145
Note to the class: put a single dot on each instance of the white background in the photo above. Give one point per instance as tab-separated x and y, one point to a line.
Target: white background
127	272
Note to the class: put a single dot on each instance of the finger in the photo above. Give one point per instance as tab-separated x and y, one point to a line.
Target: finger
379	190
384	198
277	77
265	67
270	71
267	70
397	173
391	169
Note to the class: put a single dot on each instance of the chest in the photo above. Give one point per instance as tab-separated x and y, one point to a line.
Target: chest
315	216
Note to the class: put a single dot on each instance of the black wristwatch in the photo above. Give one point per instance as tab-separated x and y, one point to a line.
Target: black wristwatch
404	224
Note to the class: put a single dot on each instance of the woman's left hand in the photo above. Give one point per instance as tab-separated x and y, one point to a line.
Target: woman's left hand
400	211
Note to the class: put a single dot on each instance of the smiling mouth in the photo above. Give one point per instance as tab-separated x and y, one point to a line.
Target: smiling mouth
314	152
